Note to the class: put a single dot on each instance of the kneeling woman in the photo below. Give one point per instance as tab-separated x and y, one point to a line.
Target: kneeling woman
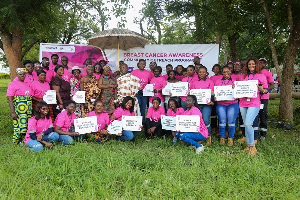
102	120
193	138
126	109
153	123
40	129
64	124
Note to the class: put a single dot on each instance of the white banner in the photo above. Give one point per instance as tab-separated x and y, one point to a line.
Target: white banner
148	90
203	95
168	123
223	93
79	97
188	123
50	97
132	123
86	125
245	89
179	89
115	127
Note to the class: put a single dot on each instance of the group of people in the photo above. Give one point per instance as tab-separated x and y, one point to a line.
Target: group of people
109	96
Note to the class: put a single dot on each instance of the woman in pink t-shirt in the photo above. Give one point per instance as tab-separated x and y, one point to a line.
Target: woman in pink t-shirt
190	78
64	124
174	109
189	137
102	120
20	103
40	129
153	123
126	109
179	75
159	83
98	70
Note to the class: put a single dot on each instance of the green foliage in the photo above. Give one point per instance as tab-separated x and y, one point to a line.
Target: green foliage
4	76
148	169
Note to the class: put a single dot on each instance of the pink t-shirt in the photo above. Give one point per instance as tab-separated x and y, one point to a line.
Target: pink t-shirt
39	89
155	115
37	126
196	111
171	113
253	102
49	74
165	76
151	74
189	79
215	78
270	80
30	78
102	119
67	75
35	76
237	77
144	77
64	121
18	88
179	77
119	112
202	84
52	67
97	75
223	82
158	84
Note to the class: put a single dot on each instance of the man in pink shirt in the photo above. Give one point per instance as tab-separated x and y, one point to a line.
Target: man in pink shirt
45	67
169	67
54	59
263	113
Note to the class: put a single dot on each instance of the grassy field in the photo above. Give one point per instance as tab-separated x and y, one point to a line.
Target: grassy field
151	169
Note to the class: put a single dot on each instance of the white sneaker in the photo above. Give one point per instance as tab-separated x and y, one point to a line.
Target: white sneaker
200	149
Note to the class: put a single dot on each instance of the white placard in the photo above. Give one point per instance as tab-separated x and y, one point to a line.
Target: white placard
86	125
132	123
148	90
168	123
245	89
79	97
188	123
179	89
50	97
166	90
203	95
224	93
115	127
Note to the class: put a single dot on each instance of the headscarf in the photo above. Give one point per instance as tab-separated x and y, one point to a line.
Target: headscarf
19	70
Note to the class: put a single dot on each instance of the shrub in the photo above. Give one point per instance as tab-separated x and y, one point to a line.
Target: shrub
4	76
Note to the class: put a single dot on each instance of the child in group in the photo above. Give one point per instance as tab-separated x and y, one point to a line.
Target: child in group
174	109
153	119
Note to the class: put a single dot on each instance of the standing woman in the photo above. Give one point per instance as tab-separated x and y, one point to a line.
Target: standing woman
64	124
39	89
102	121
20	103
62	89
171	79
204	83
159	82
227	110
249	107
153	120
40	129
179	76
145	77
75	86
107	84
193	138
126	109
190	78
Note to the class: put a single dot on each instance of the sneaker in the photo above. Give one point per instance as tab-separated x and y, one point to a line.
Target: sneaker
262	138
174	141
199	149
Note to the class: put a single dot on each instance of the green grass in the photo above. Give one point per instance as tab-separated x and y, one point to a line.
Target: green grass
151	169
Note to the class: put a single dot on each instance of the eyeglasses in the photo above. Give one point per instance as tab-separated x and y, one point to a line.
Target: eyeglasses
63	60
152	64
98	67
46	61
102	63
45	108
37	64
76	71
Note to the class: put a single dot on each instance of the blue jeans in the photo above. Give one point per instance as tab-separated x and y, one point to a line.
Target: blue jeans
191	138
206	111
248	115
128	135
34	145
227	114
65	139
183	105
142	103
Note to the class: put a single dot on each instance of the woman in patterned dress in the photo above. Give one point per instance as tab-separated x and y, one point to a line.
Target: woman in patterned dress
75	86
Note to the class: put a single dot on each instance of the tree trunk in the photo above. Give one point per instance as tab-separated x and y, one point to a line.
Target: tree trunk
12	45
233	50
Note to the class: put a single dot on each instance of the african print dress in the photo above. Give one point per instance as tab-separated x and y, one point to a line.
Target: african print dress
75	86
92	93
108	95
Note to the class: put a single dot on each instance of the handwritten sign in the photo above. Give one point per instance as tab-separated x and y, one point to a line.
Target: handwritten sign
188	123
79	97
132	123
168	123
86	125
203	95
167	89
148	90
115	127
224	93
245	89
179	89
50	97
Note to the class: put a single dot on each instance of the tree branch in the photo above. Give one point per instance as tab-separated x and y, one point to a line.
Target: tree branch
290	15
25	51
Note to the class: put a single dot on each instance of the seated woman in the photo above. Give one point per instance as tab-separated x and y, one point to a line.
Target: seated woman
126	109
174	109
153	123
102	120
40	129
193	138
64	124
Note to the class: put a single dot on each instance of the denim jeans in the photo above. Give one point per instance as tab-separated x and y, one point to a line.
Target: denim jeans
183	105
34	145
191	138
128	135
263	116
142	103
65	139
206	111
227	114
248	115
